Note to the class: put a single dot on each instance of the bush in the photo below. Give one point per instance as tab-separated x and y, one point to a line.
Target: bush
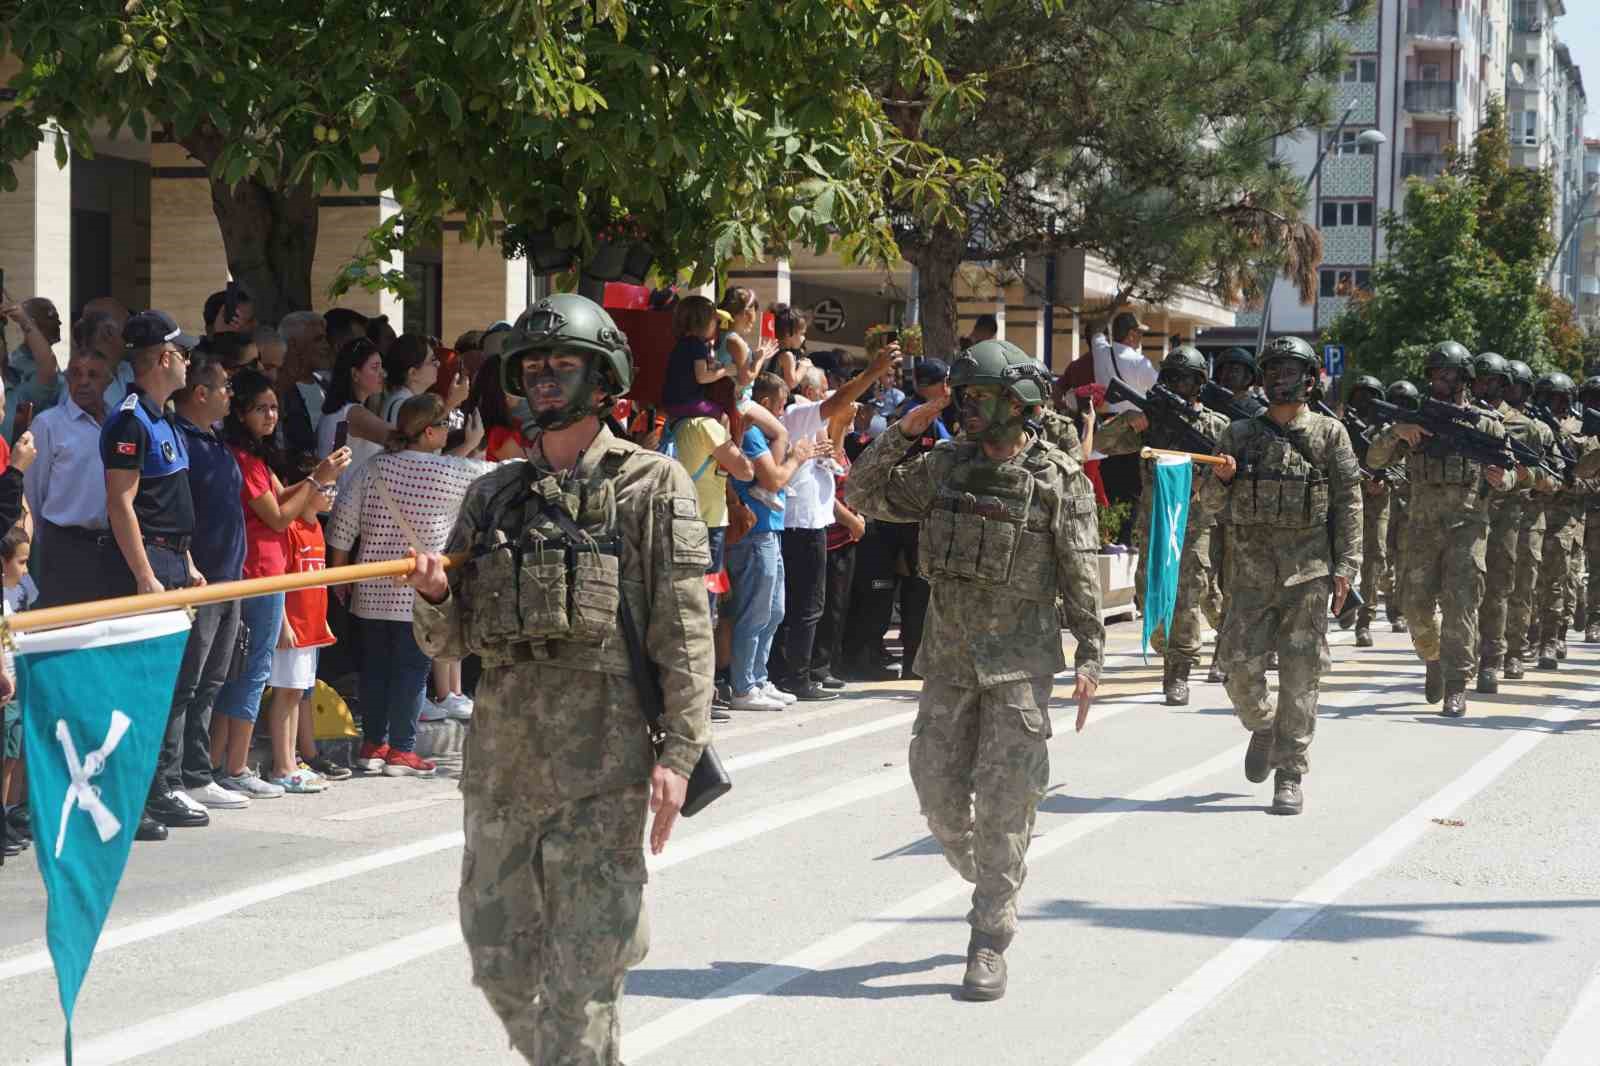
1112	518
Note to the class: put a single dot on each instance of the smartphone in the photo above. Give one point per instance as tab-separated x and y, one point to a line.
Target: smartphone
22	420
341	435
892	337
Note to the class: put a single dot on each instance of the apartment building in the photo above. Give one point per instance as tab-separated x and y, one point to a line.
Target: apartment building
1587	240
1421	73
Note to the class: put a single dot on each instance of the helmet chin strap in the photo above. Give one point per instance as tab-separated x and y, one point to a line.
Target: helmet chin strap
577	390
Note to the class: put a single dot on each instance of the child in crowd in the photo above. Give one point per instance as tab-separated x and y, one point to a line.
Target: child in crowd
19	595
294	665
691	366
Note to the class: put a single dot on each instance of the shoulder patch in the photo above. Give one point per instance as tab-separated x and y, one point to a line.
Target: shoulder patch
683	508
129	402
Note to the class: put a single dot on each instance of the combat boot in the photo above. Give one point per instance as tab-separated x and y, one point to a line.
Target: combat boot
1488	679
985	979
1547	655
1272	660
1592	634
1433	683
1215	675
1363	636
1258	756
1455	700
1561	647
1397	622
1176	684
1286	796
1514	670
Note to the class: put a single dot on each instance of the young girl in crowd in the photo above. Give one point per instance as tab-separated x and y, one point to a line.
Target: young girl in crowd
790	327
502	429
406	499
294	661
269	509
357	378
740	313
19	596
691	366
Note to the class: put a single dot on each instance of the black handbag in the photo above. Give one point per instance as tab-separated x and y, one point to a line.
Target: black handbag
710	780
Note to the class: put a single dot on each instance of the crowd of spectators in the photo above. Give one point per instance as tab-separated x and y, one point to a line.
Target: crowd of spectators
156	459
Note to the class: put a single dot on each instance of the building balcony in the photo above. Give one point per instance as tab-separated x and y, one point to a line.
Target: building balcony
1430	97
1435	22
1424	165
1589	285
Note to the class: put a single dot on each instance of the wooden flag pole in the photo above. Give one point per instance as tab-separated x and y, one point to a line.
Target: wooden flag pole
121	607
1209	460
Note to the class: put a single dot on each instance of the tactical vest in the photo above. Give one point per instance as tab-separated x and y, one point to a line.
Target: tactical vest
990	525
1433	463
531	578
1277	485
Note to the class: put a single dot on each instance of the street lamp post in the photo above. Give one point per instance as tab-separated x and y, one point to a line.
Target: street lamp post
1366	138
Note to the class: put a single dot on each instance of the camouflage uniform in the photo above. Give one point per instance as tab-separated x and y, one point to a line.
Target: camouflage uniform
1277	508
1395	541
1118	437
1508	519
999	540
553	875
1375	518
1591	553
1563	533
1447	535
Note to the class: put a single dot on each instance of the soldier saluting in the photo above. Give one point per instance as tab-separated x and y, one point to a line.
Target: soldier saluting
1287	470
563	772
1008	520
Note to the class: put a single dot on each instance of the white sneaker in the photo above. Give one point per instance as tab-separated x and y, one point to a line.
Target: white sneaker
214	795
458	706
755	700
772	691
249	782
433	710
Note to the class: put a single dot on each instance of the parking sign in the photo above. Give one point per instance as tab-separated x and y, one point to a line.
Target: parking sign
1333	359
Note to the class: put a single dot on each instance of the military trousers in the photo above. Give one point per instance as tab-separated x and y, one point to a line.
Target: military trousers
980	767
1267	616
1555	599
552	911
1530	554
1591	554
1215	601
1395	541
1194	578
1443	581
1374	546
1500	580
1577	589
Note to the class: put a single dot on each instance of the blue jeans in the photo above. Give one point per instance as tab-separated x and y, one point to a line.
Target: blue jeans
263	617
755	567
393	671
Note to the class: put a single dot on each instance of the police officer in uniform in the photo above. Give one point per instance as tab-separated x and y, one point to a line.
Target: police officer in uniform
1447	531
148	505
562	769
886	560
1184	372
1007	521
1288	469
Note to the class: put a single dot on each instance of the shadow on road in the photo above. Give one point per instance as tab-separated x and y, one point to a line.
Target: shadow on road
845	982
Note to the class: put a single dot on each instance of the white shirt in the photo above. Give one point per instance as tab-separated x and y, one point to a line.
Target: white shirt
1120	361
360	450
808	498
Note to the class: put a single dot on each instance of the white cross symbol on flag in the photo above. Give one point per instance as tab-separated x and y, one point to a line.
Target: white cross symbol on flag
1172	531
80	792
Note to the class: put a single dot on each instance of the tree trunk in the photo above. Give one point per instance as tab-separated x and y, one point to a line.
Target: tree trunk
270	235
937	259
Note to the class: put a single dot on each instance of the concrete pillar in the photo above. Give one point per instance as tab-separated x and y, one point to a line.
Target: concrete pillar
36	232
388	303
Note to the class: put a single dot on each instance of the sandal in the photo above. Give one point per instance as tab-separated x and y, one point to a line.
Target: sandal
301	781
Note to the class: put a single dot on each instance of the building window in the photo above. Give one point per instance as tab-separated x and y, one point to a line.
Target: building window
1346	143
1346	213
1525	128
1344	282
1362	71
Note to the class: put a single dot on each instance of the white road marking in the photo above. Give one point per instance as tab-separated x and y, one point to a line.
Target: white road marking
840	736
362	814
1166	1015
1576	1043
679	1023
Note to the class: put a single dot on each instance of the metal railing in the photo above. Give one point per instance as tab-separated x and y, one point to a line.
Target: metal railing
1430	97
1422	164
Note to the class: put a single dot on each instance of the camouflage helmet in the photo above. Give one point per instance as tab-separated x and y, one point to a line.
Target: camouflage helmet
1448	355
1291	348
575	323
1367	382
1237	357
1521	373
1557	383
1491	365
1184	359
1404	394
1001	363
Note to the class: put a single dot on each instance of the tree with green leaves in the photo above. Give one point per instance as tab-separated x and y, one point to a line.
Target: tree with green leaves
1141	131
1465	263
707	128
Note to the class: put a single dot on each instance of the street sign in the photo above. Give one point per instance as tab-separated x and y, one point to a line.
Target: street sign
1333	359
828	316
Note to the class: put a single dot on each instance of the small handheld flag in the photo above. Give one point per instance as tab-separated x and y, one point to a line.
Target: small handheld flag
95	701
1169	519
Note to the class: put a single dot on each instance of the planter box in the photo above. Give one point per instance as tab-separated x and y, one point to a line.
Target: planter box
1116	584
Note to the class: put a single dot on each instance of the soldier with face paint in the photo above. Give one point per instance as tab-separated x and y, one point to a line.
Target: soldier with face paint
1447	532
564	774
1008	521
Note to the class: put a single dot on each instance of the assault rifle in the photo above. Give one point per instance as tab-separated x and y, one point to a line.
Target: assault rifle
1453	432
1236	407
1564	456
1166	409
1361	439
